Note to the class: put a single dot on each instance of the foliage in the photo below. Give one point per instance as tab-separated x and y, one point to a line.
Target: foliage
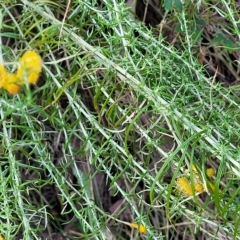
116	118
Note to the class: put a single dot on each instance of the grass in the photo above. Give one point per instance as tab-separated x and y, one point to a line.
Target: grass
113	122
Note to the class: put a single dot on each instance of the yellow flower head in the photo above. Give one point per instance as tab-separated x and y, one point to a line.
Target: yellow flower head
3	76
210	172
12	85
30	67
183	186
140	227
199	187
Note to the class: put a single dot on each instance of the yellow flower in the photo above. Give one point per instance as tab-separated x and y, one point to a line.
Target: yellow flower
1	238
211	187
30	67
140	227
3	76
199	187
12	85
183	186
210	172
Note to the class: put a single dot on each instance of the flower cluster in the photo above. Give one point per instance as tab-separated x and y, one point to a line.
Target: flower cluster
140	227
185	188
30	66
